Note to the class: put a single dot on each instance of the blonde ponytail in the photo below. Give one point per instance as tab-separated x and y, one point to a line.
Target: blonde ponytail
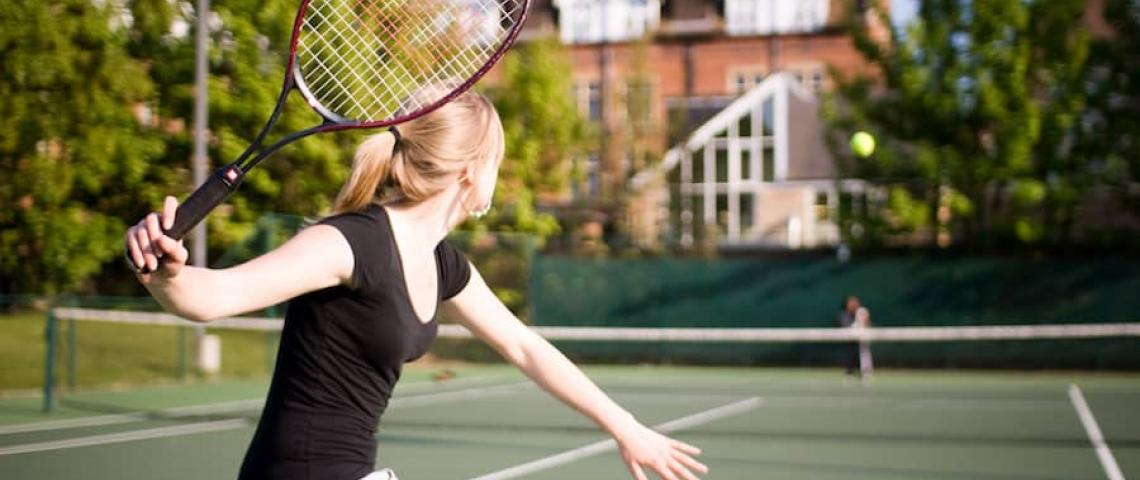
432	151
371	169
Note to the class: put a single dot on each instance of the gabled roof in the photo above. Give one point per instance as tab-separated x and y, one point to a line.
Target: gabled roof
744	105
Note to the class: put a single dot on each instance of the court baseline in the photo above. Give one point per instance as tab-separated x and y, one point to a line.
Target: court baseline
217	425
606	445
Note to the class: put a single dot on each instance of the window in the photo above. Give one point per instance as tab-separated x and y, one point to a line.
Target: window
743	78
721	165
588	97
747	205
594	21
744	127
699	166
808	75
822	206
593	175
816	81
722	213
765	17
594	101
769	160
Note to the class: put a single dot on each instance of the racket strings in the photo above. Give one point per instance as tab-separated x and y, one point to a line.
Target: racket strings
370	60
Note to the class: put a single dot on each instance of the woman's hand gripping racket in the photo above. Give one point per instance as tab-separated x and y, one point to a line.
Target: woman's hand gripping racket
362	64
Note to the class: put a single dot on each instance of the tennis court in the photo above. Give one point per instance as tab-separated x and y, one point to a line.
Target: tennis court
488	422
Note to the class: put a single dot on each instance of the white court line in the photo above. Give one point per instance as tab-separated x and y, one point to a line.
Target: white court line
97	421
215	426
226	407
606	445
131	436
465	394
1107	461
103	420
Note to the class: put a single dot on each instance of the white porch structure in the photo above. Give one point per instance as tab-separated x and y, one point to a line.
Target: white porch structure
755	174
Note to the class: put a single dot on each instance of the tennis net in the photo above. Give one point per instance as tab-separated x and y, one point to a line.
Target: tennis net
98	347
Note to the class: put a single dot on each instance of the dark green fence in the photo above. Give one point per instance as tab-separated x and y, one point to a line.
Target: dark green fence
792	292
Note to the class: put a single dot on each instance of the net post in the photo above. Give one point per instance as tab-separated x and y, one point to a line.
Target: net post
49	361
181	352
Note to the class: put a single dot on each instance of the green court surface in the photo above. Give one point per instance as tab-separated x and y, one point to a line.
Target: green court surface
752	423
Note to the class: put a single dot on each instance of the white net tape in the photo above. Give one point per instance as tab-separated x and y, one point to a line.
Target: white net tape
726	335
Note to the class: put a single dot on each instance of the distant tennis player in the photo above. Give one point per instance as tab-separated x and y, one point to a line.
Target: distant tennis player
856	355
363	288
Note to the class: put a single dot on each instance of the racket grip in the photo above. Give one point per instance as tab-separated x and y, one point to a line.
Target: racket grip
199	204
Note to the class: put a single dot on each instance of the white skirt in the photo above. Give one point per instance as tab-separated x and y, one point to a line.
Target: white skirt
385	474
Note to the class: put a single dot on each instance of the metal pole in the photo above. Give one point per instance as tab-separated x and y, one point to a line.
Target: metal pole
49	362
71	374
201	112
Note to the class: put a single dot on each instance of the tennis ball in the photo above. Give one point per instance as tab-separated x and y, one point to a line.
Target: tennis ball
863	144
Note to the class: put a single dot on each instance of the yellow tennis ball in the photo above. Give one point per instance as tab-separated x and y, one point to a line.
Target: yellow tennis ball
862	144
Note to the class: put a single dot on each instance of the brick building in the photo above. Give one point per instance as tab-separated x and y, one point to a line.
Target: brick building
652	73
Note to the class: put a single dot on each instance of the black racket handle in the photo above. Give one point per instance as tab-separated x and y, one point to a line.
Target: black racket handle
199	204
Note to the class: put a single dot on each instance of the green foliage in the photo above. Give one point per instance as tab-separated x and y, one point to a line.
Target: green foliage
97	108
543	133
248	48
907	212
1003	89
1111	132
73	153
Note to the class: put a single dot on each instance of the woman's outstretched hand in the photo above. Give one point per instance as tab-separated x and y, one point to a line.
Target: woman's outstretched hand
149	247
670	459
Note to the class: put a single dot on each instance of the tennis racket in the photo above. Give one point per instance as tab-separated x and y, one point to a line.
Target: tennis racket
370	64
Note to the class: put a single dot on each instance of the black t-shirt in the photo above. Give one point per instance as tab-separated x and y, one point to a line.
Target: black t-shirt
341	353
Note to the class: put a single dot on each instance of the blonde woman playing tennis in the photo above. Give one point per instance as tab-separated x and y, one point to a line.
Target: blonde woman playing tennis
364	286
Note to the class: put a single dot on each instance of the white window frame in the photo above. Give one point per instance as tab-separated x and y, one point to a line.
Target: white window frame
596	21
767	17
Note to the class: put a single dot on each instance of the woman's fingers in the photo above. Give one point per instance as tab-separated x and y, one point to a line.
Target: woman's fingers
147	242
636	470
133	249
169	209
681	471
154	230
684	447
143	239
691	463
172	249
664	470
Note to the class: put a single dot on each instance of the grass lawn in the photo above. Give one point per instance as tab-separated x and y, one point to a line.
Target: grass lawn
117	354
21	350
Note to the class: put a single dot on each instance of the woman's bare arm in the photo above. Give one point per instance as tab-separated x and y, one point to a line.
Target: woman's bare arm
482	313
317	257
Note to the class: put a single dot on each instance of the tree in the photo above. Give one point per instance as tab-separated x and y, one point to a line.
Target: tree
1110	130
976	107
76	145
98	97
543	131
249	43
